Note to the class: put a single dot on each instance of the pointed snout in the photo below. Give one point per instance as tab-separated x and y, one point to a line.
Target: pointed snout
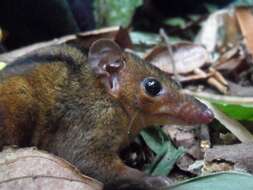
206	116
195	112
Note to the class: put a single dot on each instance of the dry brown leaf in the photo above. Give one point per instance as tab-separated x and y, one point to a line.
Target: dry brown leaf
231	60
219	30
245	19
231	64
187	57
31	169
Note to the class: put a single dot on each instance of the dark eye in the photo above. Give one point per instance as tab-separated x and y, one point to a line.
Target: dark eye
152	86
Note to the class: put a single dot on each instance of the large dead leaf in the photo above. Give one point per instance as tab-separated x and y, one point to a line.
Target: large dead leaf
31	169
186	56
219	30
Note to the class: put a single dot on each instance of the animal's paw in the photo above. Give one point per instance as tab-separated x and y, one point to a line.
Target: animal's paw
157	182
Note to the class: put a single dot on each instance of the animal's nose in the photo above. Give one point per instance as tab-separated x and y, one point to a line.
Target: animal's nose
206	116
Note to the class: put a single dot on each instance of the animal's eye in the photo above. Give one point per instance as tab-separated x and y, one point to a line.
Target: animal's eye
152	86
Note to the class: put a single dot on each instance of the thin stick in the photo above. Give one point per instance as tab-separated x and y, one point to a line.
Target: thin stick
169	47
218	76
213	81
221	98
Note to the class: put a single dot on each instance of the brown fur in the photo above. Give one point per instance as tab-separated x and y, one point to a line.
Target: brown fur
61	101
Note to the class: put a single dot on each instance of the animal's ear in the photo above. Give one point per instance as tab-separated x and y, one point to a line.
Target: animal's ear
105	58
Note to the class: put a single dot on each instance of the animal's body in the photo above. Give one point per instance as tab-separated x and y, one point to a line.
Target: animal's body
84	106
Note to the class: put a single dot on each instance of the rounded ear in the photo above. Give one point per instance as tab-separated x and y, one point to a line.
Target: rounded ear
105	58
102	46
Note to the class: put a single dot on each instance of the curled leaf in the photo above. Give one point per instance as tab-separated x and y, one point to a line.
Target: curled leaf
187	57
29	168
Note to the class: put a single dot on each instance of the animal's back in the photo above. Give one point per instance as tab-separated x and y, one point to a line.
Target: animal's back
29	88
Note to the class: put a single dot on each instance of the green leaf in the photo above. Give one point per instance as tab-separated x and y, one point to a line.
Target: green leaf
139	38
166	153
163	164
243	3
211	7
177	22
114	12
239	108
238	112
154	139
2	65
217	181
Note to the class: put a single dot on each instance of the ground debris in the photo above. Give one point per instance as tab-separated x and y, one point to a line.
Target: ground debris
229	157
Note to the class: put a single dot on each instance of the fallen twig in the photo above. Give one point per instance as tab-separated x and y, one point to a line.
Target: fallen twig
225	99
169	47
212	81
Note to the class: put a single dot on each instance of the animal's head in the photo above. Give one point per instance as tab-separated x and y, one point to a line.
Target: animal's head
141	87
